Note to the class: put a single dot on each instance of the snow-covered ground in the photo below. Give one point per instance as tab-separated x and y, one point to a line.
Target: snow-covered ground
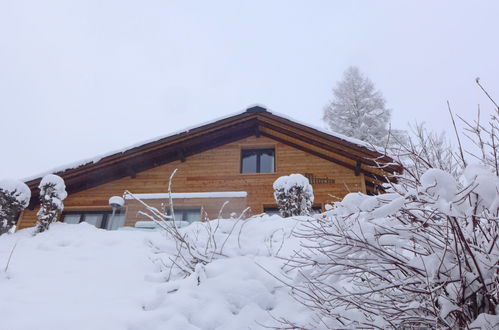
80	277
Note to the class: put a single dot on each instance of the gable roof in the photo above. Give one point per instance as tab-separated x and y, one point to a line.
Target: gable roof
348	152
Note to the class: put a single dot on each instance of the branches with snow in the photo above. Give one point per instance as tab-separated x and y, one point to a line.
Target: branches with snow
52	193
425	254
294	195
195	246
422	150
14	197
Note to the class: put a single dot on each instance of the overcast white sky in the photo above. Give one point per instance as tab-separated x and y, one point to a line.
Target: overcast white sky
81	78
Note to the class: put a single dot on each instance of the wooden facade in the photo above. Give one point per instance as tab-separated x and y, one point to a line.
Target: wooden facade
208	159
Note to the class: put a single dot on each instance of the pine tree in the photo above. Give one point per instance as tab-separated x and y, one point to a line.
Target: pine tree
358	110
52	193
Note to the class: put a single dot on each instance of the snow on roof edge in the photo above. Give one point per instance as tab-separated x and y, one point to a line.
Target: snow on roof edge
328	132
95	159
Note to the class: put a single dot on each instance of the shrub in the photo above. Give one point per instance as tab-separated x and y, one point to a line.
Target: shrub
14	197
423	255
52	193
294	195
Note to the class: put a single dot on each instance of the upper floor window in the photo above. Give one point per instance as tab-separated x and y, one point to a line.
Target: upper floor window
258	160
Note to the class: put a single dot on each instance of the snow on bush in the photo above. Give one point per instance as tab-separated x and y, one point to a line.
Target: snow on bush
294	195
14	197
425	256
52	193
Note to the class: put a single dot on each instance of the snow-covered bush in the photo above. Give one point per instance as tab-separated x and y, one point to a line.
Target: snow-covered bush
418	256
425	254
14	197
294	195
52	193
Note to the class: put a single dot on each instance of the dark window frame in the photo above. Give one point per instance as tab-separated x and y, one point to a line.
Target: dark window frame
274	209
317	208
258	152
271	210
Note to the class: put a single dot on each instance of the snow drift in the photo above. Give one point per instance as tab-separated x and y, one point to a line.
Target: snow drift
81	277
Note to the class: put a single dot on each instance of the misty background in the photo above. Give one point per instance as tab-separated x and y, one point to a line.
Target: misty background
82	78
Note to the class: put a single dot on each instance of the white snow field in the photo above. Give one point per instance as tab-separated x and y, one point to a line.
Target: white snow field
81	277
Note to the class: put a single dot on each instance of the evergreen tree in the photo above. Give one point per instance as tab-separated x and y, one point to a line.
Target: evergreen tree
358	110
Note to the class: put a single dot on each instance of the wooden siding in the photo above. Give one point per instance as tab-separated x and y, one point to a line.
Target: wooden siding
218	169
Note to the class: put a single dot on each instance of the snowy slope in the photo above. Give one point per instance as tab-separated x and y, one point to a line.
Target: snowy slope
80	277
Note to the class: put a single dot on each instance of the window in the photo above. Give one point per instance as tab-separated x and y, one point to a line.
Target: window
257	161
275	210
316	209
100	219
271	210
187	214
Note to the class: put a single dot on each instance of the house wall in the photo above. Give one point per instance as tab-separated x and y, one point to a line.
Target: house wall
218	169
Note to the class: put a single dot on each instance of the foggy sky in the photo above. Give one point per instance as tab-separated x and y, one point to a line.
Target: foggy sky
81	78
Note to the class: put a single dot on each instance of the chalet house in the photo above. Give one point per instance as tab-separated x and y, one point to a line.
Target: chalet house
235	159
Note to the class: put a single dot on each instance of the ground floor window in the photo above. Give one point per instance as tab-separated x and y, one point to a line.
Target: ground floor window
271	210
100	219
316	209
189	215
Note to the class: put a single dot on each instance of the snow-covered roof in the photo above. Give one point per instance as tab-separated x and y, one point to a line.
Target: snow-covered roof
97	158
93	160
358	142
